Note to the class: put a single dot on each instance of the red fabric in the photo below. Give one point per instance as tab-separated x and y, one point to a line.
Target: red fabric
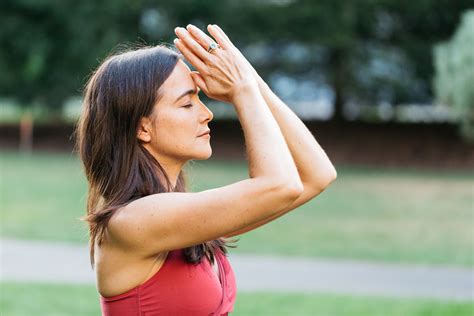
178	288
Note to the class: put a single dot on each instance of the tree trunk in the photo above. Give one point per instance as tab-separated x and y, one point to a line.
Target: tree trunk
26	132
337	82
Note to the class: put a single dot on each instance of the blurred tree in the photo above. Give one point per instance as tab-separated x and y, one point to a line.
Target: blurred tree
454	80
48	47
373	51
366	51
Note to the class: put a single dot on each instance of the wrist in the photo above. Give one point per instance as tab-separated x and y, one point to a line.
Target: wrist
245	90
262	85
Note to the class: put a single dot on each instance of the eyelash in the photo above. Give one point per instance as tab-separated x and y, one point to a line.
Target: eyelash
187	105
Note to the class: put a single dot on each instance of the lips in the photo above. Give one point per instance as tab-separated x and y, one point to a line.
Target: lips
206	132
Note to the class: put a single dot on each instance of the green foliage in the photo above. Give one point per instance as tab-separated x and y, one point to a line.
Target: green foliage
454	80
366	51
48	47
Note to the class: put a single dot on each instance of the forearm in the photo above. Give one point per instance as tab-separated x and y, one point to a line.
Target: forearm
314	166
267	151
315	170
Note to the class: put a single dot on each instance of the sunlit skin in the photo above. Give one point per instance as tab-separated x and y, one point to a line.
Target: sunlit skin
171	132
140	233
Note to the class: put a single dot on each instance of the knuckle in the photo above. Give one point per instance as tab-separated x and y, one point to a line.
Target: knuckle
212	60
195	44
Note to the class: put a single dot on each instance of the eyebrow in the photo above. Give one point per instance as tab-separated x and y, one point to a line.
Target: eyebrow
190	91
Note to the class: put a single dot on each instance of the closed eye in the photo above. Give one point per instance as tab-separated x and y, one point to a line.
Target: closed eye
187	105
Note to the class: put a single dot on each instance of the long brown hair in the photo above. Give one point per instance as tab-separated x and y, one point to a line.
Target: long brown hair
119	170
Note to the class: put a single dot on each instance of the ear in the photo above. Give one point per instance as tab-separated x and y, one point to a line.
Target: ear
144	130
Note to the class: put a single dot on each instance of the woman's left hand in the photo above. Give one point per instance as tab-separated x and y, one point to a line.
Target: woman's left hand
202	39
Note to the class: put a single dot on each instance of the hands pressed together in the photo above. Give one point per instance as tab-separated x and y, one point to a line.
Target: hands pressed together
222	73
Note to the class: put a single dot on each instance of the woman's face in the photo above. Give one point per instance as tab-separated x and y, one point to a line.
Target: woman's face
171	133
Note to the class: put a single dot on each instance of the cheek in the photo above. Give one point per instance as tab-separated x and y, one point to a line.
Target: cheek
174	135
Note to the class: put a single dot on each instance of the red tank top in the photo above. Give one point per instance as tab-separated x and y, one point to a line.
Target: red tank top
178	288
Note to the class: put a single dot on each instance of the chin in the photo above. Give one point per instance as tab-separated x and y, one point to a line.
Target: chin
203	155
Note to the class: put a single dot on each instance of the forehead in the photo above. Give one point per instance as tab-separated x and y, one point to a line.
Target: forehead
177	83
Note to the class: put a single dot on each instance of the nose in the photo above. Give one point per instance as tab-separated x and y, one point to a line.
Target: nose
207	114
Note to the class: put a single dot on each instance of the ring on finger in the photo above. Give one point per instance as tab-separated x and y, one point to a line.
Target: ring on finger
212	47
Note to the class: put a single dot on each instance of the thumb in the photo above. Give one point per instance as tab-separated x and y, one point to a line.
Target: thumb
199	81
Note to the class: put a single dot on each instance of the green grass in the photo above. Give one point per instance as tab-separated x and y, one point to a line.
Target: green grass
394	215
57	299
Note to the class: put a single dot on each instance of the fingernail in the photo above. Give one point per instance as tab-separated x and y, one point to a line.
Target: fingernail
175	41
190	26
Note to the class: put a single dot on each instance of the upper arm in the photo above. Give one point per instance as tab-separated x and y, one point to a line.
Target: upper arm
308	194
175	220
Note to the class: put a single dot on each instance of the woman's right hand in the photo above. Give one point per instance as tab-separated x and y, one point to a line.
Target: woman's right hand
224	72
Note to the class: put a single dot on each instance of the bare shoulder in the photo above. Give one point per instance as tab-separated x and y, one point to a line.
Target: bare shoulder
174	220
118	228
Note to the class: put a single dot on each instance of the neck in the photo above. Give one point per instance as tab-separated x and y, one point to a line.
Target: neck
171	166
172	171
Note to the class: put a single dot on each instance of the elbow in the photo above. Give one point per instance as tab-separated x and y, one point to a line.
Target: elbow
285	188
293	189
296	191
331	177
324	181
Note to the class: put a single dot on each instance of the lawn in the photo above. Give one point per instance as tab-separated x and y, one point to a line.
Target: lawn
58	299
396	215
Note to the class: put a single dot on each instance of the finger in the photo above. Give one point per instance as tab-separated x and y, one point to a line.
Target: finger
199	81
218	37
202	38
217	31
189	41
190	56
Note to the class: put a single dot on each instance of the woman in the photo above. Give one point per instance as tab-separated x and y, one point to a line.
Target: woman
157	249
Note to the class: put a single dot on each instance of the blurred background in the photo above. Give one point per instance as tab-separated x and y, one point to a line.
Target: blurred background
386	87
